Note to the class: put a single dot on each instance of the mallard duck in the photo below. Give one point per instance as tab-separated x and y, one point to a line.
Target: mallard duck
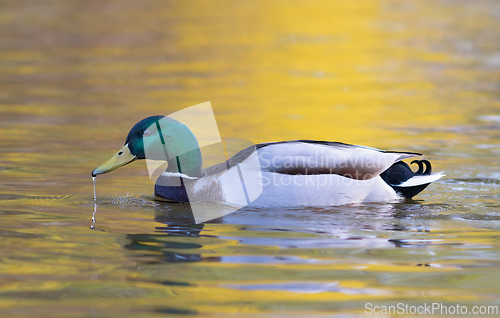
285	173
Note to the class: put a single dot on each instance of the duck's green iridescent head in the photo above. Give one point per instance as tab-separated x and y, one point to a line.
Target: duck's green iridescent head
158	138
140	131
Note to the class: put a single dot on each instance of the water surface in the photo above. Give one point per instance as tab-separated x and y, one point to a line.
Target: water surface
402	75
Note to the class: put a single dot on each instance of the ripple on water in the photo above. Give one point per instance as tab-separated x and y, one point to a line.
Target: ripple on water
14	212
485	181
14	234
18	196
307	288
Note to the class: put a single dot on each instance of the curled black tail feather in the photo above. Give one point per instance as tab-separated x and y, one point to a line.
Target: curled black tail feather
421	163
401	172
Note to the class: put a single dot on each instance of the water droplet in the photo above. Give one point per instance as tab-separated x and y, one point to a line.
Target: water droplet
93	216
93	179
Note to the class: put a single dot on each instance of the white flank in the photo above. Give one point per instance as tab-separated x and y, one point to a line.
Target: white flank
177	174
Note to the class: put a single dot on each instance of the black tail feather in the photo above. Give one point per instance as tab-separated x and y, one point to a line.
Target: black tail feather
401	172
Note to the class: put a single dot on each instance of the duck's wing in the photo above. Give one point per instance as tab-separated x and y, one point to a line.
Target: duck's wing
317	157
238	158
323	157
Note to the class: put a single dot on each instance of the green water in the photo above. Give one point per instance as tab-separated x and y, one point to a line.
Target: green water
402	75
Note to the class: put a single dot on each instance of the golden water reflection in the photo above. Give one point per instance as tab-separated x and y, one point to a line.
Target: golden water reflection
402	75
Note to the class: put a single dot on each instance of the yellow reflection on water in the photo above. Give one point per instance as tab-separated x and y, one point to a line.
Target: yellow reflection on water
405	75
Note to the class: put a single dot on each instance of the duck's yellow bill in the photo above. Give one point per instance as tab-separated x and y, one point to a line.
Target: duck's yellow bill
122	157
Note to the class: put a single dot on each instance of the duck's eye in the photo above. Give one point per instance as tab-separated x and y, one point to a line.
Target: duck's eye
120	153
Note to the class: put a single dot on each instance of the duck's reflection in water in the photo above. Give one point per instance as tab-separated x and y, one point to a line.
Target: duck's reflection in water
160	243
179	222
371	227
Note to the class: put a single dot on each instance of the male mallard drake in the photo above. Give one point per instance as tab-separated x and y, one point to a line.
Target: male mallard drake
287	173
